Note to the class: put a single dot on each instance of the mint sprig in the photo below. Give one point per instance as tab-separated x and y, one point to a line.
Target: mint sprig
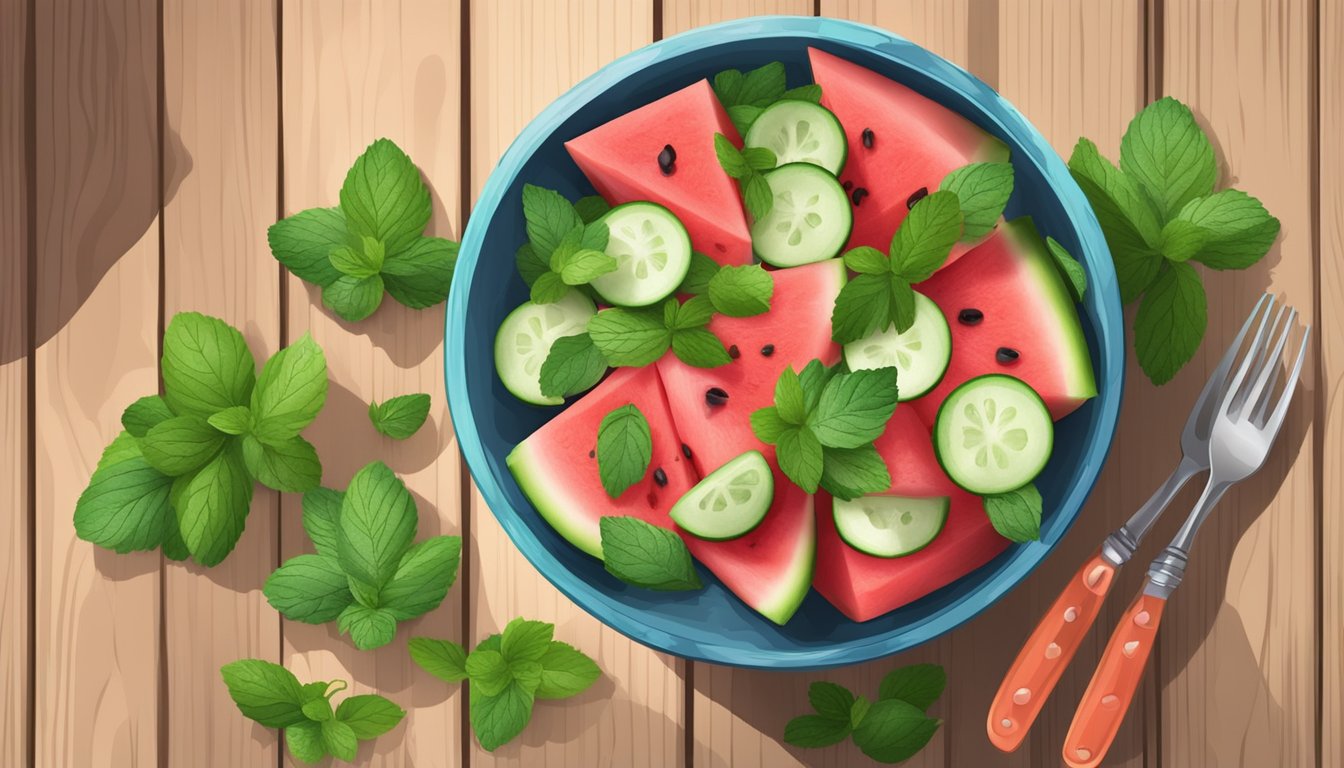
272	696
401	416
635	337
367	575
1016	514
624	448
745	96
507	673
891	729
1159	212
748	166
983	190
564	249
643	555
372	244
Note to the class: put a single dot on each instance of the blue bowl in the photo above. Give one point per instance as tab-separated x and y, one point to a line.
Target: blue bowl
712	625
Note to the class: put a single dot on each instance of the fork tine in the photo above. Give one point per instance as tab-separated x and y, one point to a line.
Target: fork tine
1269	364
1271	428
1258	354
1233	390
1263	403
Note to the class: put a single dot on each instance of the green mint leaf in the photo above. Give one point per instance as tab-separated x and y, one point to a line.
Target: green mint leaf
698	275
1170	322
858	711
125	506
304	742
849	473
524	640
672	309
384	198
488	671
1135	272
181	444
290	391
630	337
742	116
800	457
730	158
565	672
212	506
401	416
421	275
144	414
762	86
901	310
830	700
569	244
862	307
123	447
318	709
983	190
741	291
367	595
591	208
810	92
893	731
304	242
919	685
727	84
549	218
867	260
289	465
206	365
700	348
1126	216
321	515
814	377
814	731
573	365
624	449
423	577
1182	239
596	236
265	692
924	240
353	298
368	628
790	401
548	289
308	588
530	265
585	265
757	197
173	547
768	425
646	556
232	421
695	313
1168	153
339	740
497	719
443	659
1016	515
376	525
1072	271
759	158
1240	230
369	715
854	408
360	261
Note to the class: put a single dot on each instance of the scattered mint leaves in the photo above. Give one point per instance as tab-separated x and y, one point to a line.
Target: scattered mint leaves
1016	515
745	96
373	243
891	729
644	555
983	190
573	365
565	248
917	684
401	416
748	167
272	696
741	291
635	337
1075	279
624	448
1159	212
443	659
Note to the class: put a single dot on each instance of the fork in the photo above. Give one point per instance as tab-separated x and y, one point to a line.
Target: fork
1245	424
1051	647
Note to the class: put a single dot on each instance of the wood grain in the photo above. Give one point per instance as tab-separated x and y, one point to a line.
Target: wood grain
1329	332
16	610
97	613
353	72
681	15
220	178
1238	649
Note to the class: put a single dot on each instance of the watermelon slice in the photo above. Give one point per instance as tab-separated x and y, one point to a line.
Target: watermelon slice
915	143
769	568
862	586
620	158
1014	283
557	469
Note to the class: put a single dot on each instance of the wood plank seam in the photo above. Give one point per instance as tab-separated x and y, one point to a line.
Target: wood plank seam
465	196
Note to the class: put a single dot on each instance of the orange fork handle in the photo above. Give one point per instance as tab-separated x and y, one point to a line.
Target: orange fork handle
1113	684
1047	652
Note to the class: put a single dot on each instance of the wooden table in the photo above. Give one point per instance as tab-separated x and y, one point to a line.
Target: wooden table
144	149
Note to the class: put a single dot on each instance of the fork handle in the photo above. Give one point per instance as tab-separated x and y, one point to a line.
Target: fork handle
1047	652
1113	685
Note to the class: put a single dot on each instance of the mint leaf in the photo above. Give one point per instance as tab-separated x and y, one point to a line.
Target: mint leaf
848	473
768	425
1182	239
1069	268
790	401
206	365
983	190
800	457
813	731
290	391
232	421
423	577
384	198
368	628
809	92
308	588
762	86
123	447
1016	515
695	313
854	408
144	414
565	672
814	377
624	449
353	298
585	265
1126	216
212	506
573	365
488	671
173	547
830	700
730	158
742	116
317	709
926	236
596	236
340	740
265	692
362	261
531	266
524	640
1168	153
646	556
420	276
321	513
401	416
700	348
1239	229
288	465
443	659
125	507
304	242
497	719
858	711
181	444
919	685
369	715
757	196
901	310
893	730
698	275
366	594
376	526
304	741
862	307
867	260
759	158
1170	322
548	289
630	337
741	291
591	208
549	218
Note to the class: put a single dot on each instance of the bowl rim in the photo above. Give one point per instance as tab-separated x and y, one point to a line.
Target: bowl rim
1022	560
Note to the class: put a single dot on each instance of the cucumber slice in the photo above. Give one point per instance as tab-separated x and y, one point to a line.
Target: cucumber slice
920	355
525	337
800	132
993	434
809	220
730	501
890	526
652	250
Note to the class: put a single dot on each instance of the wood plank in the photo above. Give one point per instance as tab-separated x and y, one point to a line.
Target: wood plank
97	230
523	55
220	186
1330	390
681	15
16	610
1239	652
353	72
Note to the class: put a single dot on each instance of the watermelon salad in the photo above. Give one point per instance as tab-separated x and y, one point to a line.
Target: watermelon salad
793	329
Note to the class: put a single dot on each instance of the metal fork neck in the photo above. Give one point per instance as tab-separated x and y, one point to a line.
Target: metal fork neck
1168	569
1120	545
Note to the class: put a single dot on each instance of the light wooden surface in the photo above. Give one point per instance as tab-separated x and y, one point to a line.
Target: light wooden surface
145	147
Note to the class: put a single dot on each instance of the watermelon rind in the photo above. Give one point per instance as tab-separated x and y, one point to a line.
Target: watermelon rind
797	580
529	470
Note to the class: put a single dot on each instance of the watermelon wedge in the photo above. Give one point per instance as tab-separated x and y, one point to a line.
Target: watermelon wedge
557	470
620	158
769	568
915	142
864	587
1013	282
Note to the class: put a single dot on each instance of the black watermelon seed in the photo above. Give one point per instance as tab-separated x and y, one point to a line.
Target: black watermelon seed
970	316
768	350
733	352
659	476
848	185
857	195
916	196
686	450
591	454
868	138
1007	355
715	396
667	160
